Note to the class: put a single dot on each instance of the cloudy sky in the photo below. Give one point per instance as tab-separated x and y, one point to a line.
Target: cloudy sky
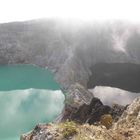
19	10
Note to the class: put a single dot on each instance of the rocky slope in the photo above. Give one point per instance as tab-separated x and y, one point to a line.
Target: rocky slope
81	106
126	128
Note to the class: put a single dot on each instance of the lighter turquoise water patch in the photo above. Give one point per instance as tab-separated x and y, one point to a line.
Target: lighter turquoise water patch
29	95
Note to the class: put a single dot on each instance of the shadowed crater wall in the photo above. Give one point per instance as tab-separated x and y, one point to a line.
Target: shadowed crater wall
121	75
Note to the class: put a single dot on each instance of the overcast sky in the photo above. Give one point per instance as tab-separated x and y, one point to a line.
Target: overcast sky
18	10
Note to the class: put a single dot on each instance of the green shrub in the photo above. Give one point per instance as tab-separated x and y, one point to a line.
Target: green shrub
68	128
106	120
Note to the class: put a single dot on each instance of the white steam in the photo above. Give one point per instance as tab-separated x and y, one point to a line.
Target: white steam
110	95
21	110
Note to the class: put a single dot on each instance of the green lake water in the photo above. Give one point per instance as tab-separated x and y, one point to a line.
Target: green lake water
28	95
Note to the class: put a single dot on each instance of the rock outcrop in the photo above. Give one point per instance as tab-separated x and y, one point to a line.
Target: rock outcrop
56	132
131	114
128	125
81	106
90	113
42	132
126	128
76	97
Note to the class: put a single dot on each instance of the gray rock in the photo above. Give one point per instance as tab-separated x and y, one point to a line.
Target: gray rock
131	116
76	96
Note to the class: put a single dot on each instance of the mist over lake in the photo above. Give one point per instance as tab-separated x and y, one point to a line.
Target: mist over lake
29	95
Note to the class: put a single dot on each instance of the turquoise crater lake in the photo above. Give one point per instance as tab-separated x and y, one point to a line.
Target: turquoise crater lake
28	95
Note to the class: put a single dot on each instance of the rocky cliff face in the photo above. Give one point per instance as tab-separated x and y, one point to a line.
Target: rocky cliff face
69	50
128	125
82	107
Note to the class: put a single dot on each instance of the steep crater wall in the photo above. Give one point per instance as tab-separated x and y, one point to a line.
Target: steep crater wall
121	75
69	50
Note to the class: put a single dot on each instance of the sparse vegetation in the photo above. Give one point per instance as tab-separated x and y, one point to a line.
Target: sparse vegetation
69	128
106	120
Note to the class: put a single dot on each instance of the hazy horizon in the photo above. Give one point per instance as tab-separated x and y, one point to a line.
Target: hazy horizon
87	10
